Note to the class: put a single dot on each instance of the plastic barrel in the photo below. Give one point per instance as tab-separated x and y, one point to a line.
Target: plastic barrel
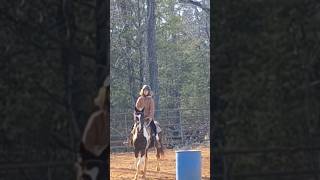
188	165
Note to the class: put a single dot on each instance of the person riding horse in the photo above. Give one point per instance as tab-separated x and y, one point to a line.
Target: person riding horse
94	146
145	102
145	132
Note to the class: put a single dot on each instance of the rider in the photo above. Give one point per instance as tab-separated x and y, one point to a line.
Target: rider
94	145
146	102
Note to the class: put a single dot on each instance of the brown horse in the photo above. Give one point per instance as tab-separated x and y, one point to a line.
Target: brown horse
142	141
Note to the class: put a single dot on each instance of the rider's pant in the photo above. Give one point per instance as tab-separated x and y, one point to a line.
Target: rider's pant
153	127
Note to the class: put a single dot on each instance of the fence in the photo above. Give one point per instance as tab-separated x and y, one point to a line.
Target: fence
179	126
33	159
306	172
37	170
24	161
37	154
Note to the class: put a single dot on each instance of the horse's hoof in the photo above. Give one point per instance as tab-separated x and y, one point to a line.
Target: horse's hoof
141	172
136	177
158	168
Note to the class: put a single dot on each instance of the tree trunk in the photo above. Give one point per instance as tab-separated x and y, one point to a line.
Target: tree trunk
142	63
127	52
102	37
71	61
151	52
130	75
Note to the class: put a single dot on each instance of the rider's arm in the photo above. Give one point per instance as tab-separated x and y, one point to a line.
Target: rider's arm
95	137
139	103
152	108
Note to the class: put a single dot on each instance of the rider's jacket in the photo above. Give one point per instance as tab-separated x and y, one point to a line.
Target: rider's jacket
95	136
146	103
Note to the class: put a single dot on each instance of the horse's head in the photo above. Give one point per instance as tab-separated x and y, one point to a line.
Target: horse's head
138	119
137	111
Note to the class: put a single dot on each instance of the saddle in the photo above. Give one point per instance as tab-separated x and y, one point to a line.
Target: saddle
155	122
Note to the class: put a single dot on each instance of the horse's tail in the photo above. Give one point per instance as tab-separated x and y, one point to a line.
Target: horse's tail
161	148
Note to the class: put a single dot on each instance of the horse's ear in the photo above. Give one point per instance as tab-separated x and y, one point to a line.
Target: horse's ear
137	110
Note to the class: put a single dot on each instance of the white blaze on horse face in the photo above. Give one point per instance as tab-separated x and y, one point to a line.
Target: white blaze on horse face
139	116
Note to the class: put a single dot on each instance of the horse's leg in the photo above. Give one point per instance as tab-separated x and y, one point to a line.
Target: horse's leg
136	175
134	165
136	154
158	159
145	165
160	152
142	160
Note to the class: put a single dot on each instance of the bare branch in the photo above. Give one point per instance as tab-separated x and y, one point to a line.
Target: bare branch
198	4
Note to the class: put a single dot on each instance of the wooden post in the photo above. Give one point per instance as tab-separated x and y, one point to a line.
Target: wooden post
125	120
181	130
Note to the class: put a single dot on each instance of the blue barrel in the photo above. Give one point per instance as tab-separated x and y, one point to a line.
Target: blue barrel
188	165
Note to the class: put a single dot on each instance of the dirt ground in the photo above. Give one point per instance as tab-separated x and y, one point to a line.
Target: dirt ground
121	165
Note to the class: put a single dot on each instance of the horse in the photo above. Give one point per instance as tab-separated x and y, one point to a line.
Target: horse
142	142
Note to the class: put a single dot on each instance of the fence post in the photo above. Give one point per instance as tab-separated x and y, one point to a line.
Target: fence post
125	119
181	130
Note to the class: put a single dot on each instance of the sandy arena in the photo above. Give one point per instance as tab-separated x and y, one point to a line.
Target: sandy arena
121	165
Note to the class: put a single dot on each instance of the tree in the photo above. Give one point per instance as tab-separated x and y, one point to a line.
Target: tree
182	54
50	68
151	51
264	69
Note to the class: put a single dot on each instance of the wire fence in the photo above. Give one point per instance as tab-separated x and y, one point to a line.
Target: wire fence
180	127
27	165
223	170
37	170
